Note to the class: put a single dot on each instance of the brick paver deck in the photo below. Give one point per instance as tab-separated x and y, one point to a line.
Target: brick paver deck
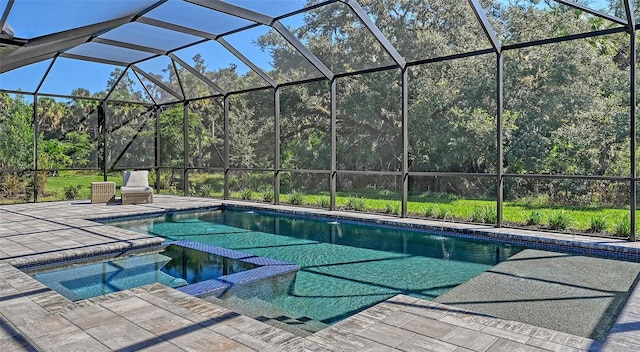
154	317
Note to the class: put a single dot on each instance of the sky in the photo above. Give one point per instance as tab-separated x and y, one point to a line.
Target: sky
34	18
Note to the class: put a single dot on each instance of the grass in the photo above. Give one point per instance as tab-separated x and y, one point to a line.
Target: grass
431	205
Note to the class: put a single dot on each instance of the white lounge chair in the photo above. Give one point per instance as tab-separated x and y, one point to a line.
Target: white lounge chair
135	188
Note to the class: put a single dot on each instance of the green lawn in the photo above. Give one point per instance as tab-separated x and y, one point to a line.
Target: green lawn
577	219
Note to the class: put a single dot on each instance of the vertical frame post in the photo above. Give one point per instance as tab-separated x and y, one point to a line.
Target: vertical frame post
156	156
226	146
276	149
35	148
405	140
102	117
185	136
632	132
499	142
333	138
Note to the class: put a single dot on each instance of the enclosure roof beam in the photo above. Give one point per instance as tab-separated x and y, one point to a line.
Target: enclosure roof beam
131	46
596	13
93	59
47	46
247	62
157	82
486	26
197	73
5	14
631	19
234	10
177	28
289	37
375	31
257	17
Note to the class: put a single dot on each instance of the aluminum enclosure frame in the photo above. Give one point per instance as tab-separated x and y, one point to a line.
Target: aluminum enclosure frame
55	46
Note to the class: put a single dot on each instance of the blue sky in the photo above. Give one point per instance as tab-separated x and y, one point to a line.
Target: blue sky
34	18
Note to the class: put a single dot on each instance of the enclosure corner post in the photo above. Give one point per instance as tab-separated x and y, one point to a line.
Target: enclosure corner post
499	142
226	147
333	138
185	134
156	155
632	133
405	141
35	148
276	149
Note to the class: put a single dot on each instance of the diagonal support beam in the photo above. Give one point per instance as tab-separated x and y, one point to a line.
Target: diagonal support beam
125	45
257	17
93	59
234	10
177	28
631	18
289	37
197	74
596	13
375	31
48	46
157	82
247	62
5	14
486	26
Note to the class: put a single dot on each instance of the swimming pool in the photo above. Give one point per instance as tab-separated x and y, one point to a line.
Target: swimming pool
175	266
345	266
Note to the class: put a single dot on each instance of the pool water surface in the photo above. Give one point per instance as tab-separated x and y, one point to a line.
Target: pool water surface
346	267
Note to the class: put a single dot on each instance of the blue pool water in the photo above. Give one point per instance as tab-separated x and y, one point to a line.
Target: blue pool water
345	267
174	267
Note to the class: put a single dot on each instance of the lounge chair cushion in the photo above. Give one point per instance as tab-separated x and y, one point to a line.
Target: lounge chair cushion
138	178
124	189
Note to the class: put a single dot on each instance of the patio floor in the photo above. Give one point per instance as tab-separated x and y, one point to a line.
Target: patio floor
34	318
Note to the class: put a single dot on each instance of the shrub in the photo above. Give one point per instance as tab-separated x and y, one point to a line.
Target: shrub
356	203
267	194
296	197
598	224
622	227
428	211
442	212
72	192
559	221
392	208
476	215
534	218
487	215
324	202
12	186
490	215
247	194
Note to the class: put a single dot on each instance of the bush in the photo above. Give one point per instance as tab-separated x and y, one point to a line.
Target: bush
267	195
428	211
534	218
356	203
72	192
392	208
324	202
622	227
296	197
559	221
598	224
487	215
247	194
442	212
